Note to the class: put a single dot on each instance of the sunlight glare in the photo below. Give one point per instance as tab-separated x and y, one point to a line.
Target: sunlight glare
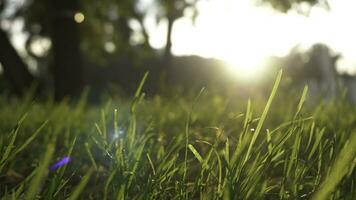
244	35
244	68
236	32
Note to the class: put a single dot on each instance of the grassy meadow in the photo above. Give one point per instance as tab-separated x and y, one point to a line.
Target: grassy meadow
203	146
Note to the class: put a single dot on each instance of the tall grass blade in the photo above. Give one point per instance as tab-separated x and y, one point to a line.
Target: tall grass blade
263	116
11	145
31	138
339	169
196	153
41	173
78	190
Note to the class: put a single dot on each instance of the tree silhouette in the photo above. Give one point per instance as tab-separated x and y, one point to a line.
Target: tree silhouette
67	64
53	19
171	11
56	21
286	5
15	70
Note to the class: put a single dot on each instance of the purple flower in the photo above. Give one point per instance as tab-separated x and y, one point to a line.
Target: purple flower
60	163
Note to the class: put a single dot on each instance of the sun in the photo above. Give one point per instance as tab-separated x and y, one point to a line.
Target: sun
245	68
236	32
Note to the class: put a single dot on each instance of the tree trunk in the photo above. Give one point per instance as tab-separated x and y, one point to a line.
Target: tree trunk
168	48
124	29
67	64
145	34
15	70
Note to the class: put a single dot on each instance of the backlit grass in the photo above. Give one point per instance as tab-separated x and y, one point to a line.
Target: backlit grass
201	147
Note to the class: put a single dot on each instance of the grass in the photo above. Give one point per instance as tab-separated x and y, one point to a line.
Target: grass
182	147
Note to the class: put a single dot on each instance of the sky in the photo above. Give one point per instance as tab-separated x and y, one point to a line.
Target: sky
244	35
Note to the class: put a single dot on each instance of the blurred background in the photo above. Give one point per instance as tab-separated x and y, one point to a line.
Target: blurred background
60	47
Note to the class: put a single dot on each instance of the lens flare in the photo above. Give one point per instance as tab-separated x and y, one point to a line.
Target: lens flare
60	163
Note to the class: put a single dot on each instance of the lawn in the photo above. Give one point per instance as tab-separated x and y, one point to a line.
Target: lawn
201	146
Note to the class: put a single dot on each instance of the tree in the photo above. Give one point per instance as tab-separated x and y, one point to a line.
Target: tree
15	70
110	22
171	11
53	19
284	6
67	64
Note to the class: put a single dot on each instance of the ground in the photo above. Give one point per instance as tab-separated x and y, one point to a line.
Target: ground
201	146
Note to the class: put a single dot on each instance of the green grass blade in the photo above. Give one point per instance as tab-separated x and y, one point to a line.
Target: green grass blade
302	100
108	181
87	148
121	194
196	153
317	142
187	131
263	116
80	187
339	169
151	163
10	146
139	89
41	173
30	139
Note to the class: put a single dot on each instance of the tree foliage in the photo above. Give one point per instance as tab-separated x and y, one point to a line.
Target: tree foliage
286	5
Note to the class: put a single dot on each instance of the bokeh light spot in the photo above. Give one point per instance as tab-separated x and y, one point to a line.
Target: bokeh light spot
79	17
